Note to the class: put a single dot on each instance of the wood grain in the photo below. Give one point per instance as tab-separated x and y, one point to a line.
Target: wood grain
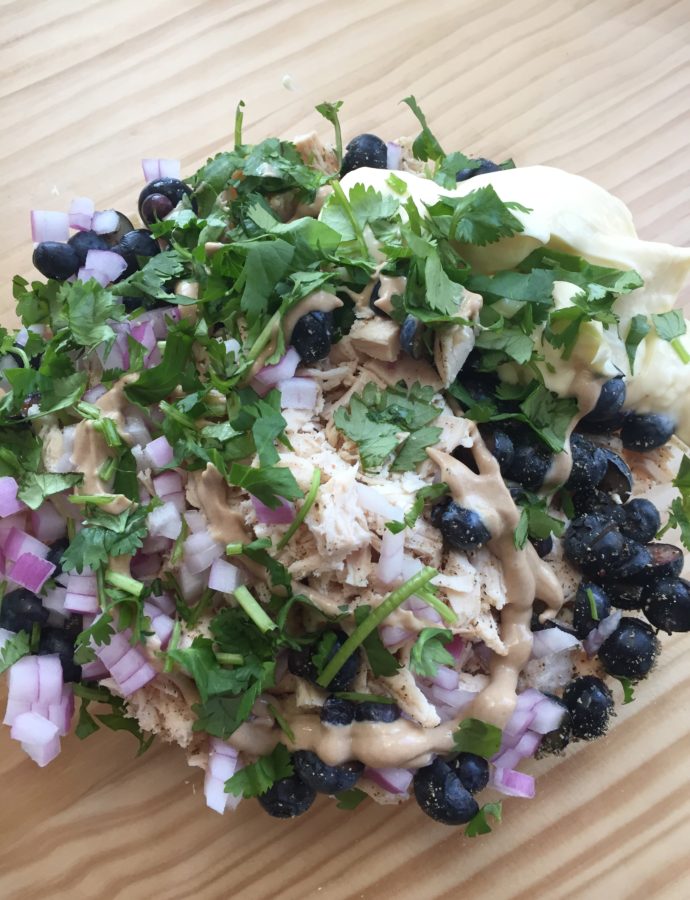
601	88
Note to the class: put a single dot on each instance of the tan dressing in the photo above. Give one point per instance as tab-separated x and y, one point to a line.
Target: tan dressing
225	524
586	388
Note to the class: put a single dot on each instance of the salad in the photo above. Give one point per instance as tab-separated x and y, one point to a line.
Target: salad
357	471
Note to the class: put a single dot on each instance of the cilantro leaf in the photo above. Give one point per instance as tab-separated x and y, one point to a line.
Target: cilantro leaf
151	280
156	383
549	415
14	649
89	309
638	331
670	326
35	487
679	515
628	689
330	112
266	264
425	145
350	799
478	218
511	339
480	823
476	736
115	720
106	535
429	651
521	530
376	440
382	661
222	716
429	492
268	483
256	778
213	679
413	449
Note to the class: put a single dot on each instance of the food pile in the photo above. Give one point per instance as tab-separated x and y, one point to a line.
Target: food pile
349	471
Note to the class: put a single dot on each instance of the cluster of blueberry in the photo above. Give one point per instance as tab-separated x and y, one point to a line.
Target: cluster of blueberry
21	610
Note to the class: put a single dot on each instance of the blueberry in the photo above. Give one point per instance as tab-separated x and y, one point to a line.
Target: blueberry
472	770
412	333
530	464
589	464
441	795
618	477
590	704
83	241
312	336
626	596
636	565
667	561
365	150
557	740
55	554
300	663
666	604
599	504
325	779
500	445
288	798
630	652
543	546
336	711
56	260
646	431
599	549
57	640
373	711
608	406
481	386
583	621
485	166
20	609
373	297
159	197
642	520
136	243
462	528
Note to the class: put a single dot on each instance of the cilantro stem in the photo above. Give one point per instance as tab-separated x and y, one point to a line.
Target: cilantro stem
88	410
254	610
95	499
347	209
264	337
174	641
173	413
229	659
680	350
109	431
71	530
447	614
239	117
124	582
35	637
234	549
200	607
304	509
10	460
107	470
413	586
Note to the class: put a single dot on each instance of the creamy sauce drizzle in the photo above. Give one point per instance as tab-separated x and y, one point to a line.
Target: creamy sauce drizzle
586	388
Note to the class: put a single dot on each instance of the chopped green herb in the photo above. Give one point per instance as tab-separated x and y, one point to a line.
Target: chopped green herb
480	823
429	651
14	649
476	736
593	611
628	689
256	778
350	799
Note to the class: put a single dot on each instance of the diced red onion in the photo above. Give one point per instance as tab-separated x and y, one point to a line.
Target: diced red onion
422	609
528	699
224	577
87	585
94	670
219	746
47	225
221	766
552	640
161	623
508	758
139	680
31	728
105	221
168	483
19	542
50	680
159	452
15	708
17	521
178	500
23	683
9	505
281	515
390	562
456	700
165	521
31	572
598	635
547	716
446	678
393	635
393	155
146	565
196	521
518	723
111	653
137	430
528	744
80	213
200	551
513	784
54	600
214	792
78	603
111	264
191	583
47	525
395	781
286	367
127	666
60	714
95	393
457	647
154	544
374	502
298	393
42	754
158	319
165	603
85	274
160	168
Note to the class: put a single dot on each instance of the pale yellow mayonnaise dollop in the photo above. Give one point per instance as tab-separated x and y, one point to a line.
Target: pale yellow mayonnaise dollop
571	214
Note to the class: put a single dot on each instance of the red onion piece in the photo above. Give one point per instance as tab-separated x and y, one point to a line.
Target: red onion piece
9	505
446	678
105	222
47	525
395	781
94	670
79	603
298	393
162	624
50	680
394	635
518	723
80	213
598	635
390	563
42	754
513	784
151	169
457	648
169	168
86	585
456	700
19	542
178	500
139	680
31	728
224	577
196	521
165	603
552	640
507	759
23	683
60	714
282	515
17	521
191	583
374	502
111	264
165	521
49	226
15	708
200	551
146	565
31	572
159	452
168	483
127	666
547	716
85	274
111	653
286	367
95	393
393	155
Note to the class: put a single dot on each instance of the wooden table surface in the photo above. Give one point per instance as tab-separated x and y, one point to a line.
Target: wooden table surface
601	88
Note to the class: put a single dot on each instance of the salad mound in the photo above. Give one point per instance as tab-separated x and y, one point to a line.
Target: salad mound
350	471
